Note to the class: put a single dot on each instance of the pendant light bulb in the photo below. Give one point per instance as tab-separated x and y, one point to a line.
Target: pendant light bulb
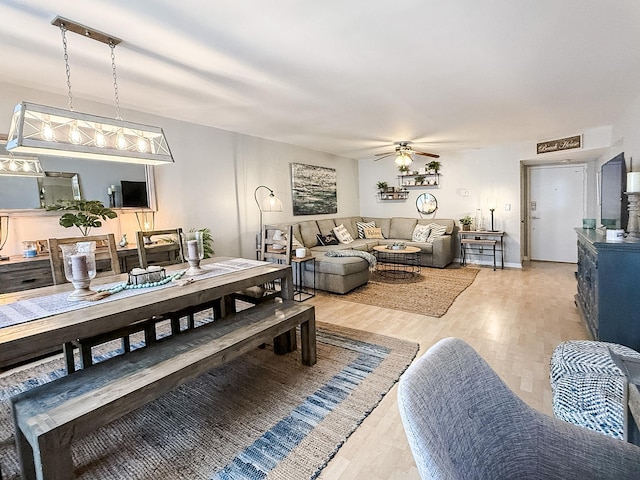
26	167
99	138
142	144
13	166
47	131
121	142
75	136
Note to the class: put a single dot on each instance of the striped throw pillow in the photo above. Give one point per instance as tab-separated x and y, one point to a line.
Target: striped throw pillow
362	225
436	231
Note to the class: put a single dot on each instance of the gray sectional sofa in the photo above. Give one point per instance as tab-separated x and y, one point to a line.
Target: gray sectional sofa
342	274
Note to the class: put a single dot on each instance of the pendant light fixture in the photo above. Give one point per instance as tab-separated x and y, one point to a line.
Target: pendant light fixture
40	129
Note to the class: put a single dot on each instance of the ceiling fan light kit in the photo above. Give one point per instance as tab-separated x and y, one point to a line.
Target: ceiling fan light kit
40	129
403	153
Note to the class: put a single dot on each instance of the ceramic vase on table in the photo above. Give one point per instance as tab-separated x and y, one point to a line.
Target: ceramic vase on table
193	249
79	261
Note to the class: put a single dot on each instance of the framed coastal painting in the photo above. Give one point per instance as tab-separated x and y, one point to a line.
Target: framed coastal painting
314	190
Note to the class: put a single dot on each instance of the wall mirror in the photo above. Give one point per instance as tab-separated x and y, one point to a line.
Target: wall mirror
426	203
56	186
86	179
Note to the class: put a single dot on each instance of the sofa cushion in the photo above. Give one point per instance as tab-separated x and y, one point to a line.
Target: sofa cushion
327	240
383	223
421	233
350	224
326	226
309	231
362	225
339	265
447	222
374	232
435	231
402	228
342	234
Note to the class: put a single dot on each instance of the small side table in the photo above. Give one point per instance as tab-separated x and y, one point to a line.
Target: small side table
302	292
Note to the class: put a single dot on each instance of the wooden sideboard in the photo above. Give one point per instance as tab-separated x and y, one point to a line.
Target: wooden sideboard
19	273
609	288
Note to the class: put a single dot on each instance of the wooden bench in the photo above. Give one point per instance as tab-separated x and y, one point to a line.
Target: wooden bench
50	417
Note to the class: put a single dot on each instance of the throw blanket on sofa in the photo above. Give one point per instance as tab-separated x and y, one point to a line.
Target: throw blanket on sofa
354	253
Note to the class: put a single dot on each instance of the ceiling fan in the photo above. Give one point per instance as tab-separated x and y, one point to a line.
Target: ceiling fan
403	153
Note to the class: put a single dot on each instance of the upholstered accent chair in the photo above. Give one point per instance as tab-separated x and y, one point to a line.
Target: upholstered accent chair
463	422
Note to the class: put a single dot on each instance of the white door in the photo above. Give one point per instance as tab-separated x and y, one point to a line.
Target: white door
557	205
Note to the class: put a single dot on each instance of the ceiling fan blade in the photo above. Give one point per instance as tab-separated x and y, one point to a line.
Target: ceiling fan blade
383	155
432	155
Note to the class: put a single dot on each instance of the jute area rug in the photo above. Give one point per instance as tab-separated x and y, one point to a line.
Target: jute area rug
260	416
430	293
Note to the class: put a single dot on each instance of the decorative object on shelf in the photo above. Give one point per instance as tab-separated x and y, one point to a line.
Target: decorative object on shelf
492	208
479	222
146	222
29	249
426	203
270	203
4	234
193	249
79	260
382	186
434	166
207	241
123	241
88	214
47	130
466	223
419	179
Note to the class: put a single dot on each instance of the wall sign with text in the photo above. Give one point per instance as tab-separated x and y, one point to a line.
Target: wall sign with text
560	144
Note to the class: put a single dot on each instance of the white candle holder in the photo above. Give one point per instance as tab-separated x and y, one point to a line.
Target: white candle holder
79	261
193	250
633	228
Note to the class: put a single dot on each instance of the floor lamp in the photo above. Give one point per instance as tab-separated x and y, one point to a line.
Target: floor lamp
270	203
4	233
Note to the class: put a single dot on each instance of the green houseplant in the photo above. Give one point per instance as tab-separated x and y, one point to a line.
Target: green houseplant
434	165
382	185
419	179
466	223
84	214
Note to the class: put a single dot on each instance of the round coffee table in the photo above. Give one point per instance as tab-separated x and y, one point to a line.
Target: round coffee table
401	263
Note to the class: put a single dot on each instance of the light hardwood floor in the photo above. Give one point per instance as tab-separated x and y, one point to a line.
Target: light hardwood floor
514	318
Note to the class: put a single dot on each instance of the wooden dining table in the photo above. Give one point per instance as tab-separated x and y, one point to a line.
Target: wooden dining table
34	338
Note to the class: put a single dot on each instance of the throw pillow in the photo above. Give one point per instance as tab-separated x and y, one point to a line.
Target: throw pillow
436	231
421	233
370	232
325	240
342	234
362	225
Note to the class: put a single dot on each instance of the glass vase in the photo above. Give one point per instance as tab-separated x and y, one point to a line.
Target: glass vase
79	260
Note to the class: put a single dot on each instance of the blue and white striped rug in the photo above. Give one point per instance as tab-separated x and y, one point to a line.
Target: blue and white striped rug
260	416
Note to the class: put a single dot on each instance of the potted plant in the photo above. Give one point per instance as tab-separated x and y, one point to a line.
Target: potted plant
420	179
84	214
382	186
434	166
403	169
466	223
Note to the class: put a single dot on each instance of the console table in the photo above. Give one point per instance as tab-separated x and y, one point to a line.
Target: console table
475	241
20	273
608	289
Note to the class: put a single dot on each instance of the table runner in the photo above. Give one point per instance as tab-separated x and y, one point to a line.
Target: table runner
40	307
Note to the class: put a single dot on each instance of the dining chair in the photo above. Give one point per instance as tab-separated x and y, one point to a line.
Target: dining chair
276	246
160	247
106	250
163	248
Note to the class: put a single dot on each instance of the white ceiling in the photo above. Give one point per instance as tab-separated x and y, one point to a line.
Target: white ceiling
344	76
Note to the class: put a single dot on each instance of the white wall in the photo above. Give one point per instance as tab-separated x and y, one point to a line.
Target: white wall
210	185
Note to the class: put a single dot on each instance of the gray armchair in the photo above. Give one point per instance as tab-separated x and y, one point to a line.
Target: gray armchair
463	422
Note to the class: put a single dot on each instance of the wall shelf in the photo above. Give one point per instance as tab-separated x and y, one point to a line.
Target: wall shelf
397	195
430	180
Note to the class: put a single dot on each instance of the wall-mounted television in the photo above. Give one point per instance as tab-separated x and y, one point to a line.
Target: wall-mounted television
134	194
614	203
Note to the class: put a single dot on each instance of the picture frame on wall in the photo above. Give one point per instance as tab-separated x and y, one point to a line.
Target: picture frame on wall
314	189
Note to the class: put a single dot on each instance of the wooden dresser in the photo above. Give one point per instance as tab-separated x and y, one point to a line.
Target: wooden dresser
19	273
609	288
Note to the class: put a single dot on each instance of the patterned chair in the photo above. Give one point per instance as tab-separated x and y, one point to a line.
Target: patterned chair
463	422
